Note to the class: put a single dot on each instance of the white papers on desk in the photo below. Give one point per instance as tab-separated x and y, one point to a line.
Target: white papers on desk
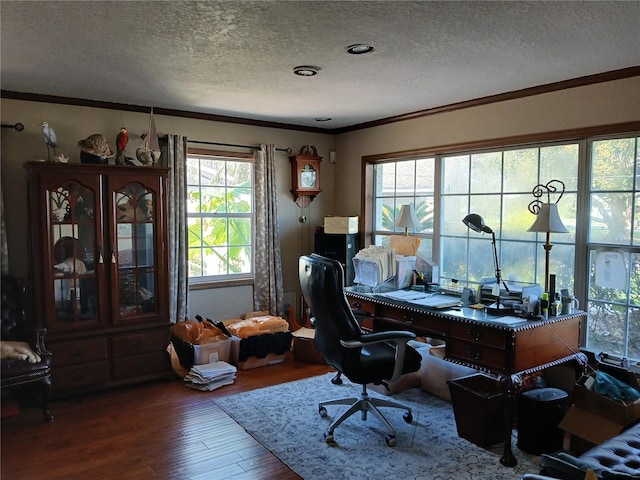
507	320
437	301
405	295
423	299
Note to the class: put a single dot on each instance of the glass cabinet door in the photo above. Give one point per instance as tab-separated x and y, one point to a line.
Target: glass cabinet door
134	250
74	253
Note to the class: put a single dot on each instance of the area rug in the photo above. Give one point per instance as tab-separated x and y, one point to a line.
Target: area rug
284	418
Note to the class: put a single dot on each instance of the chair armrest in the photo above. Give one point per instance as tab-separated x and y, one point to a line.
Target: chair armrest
40	346
398	337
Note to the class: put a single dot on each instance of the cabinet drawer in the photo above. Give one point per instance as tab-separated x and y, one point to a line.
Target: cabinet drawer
76	376
78	351
140	365
135	344
479	334
362	305
476	354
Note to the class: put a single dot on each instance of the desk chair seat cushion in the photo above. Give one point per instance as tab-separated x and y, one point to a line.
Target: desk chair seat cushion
376	362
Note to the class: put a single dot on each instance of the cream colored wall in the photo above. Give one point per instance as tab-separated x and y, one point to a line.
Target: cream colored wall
73	123
593	105
600	104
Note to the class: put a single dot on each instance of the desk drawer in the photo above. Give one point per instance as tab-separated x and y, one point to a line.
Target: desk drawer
475	354
362	305
485	336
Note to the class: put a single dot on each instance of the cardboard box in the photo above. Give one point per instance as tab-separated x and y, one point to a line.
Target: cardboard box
595	418
619	412
212	352
190	354
587	429
304	347
260	350
340	224
255	362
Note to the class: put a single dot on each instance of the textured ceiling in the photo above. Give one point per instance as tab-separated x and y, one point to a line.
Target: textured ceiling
235	58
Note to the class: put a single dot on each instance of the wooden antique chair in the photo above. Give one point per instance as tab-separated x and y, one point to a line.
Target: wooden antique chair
15	325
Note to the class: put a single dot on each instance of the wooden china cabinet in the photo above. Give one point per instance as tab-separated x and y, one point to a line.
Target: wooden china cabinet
98	240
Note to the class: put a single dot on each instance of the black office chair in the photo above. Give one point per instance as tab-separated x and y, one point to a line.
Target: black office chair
363	358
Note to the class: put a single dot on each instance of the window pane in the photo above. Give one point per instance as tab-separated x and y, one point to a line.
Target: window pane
611	218
520	170
424	212
560	162
385	215
486	173
405	178
455	174
385	179
425	180
516	218
612	163
454	209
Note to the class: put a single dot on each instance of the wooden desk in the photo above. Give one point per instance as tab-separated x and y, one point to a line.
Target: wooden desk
478	341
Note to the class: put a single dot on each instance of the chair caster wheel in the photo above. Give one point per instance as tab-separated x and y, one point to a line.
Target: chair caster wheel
407	417
322	411
328	437
391	440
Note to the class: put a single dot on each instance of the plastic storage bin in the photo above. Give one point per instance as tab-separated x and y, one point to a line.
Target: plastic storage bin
478	406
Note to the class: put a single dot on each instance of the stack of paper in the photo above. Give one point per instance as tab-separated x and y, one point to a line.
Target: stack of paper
210	376
374	265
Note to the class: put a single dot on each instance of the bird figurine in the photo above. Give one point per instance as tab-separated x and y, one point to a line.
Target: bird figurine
49	138
121	143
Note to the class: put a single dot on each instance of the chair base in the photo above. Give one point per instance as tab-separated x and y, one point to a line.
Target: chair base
364	404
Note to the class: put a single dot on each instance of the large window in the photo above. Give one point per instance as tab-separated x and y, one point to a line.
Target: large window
614	247
220	217
498	186
598	259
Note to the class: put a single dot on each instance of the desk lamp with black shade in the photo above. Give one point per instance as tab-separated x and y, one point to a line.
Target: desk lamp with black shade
476	223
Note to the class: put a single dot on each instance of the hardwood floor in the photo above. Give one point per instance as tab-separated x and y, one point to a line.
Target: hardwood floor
160	430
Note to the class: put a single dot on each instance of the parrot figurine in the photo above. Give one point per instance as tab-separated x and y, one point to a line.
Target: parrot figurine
121	143
49	138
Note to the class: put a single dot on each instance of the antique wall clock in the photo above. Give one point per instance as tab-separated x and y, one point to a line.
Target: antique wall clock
305	175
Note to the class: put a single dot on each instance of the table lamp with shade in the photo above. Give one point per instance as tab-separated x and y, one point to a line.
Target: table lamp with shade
476	223
407	218
404	244
547	217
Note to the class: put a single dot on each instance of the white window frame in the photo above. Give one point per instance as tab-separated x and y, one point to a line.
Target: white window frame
229	278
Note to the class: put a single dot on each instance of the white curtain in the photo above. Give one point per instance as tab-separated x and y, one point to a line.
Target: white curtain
268	292
177	219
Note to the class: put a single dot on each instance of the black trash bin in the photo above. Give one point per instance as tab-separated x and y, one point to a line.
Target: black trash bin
539	413
478	406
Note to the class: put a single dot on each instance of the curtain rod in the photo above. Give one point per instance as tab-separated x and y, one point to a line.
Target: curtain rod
252	147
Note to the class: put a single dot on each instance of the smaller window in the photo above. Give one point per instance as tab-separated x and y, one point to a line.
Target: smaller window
219	216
